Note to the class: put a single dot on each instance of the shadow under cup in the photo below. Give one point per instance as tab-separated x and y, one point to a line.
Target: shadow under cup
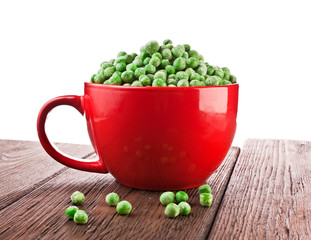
152	138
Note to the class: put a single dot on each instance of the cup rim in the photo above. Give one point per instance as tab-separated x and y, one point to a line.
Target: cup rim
141	88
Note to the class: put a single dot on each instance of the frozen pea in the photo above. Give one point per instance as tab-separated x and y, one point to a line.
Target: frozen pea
182	47
109	71
144	55
201	69
226	70
189	71
181	196
167	41
170	69
112	199
172	81
220	73
116	73
121	66
164	63
70	211
171	85
131	67
180	63
137	84
210	70
232	78
162	47
206	199
158	55
129	59
80	217
195	54
172	76
201	78
158	82
126	84
172	210
160	74
149	68
134	55
195	83
124	207
182	75
167	54
224	82
169	46
226	76
150	76
139	72
155	61
146	61
145	80
127	76
121	60
120	54
183	83
195	76
201	58
185	55
167	197
99	78
115	80
192	62
177	52
93	78
106	65
152	47
77	197
142	49
106	82
187	47
111	61
184	208
212	81
138	62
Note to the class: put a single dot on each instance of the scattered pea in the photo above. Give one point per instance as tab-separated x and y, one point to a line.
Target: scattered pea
184	208
80	217
205	188
112	199
181	196
124	207
172	210
206	199
70	211
77	197
167	197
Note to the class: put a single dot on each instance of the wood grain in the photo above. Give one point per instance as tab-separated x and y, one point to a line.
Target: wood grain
268	196
40	214
24	165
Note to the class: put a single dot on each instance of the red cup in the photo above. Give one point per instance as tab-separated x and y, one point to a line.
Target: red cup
153	138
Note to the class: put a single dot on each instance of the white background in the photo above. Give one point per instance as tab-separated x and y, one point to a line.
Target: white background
50	48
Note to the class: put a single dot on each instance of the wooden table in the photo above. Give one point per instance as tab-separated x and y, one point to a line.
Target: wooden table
260	192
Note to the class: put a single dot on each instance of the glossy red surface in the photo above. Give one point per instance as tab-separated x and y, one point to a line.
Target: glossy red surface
153	138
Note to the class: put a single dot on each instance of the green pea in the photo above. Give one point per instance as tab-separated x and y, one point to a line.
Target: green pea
220	73
195	83
201	58
181	196
150	76
138	62
152	47
142	49
158	55
212	81
205	188
112	199
172	210
226	70
109	71
171	85
170	69
99	78
183	83
80	217
162	47
129	59
195	76
115	80
164	63
232	78
116	73
134	55
145	80
206	199
210	70
106	65
127	76
169	46
70	211
77	197
227	76
195	54
167	197
121	60
111	61
120	54
182	75
167	41
180	63
93	78
201	69
106	82
126	84
137	84
177	52
149	68
158	82
172	81
139	72
124	207
155	61
184	208
189	71
185	55
192	62
187	47
172	76
131	67
121	67
146	61
224	82
167	54
143	55
160	74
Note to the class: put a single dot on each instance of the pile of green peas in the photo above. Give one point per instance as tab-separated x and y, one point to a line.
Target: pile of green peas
172	210
162	66
73	212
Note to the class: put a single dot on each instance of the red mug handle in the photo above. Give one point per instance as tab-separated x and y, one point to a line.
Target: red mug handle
81	164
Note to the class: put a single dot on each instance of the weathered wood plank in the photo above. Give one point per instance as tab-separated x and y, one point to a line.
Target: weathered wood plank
24	165
268	196
40	214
